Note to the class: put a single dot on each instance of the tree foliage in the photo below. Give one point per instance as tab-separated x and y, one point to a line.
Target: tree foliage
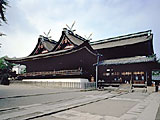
3	5
4	65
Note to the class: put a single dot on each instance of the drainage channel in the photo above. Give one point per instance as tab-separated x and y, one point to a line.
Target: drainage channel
29	95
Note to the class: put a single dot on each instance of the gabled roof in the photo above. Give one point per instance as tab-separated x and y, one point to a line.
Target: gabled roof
129	60
84	45
47	43
123	40
75	39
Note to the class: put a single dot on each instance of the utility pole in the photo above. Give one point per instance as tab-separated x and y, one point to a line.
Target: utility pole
98	55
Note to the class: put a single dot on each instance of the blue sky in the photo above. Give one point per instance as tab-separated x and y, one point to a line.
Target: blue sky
27	19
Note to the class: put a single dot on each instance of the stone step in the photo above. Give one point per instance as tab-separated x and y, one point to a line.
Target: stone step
125	87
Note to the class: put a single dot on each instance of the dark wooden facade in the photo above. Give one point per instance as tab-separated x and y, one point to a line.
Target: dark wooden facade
134	70
137	44
68	61
139	49
71	56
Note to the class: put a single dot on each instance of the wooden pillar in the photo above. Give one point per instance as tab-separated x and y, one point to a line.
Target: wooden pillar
131	81
156	85
146	76
149	78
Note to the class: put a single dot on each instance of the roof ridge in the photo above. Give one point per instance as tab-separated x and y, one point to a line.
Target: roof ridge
75	35
47	39
147	32
80	37
46	55
127	60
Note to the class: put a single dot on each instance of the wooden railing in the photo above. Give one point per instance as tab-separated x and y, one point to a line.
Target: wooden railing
53	73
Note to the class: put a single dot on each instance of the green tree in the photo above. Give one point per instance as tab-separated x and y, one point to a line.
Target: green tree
5	69
4	65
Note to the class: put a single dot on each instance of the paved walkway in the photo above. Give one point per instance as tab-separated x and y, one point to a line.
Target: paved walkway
77	105
116	108
158	114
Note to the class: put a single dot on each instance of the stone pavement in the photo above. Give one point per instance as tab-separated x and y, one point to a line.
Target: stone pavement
90	105
14	90
38	110
158	114
116	108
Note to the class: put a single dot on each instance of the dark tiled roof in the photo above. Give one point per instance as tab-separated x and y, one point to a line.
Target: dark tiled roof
48	43
122	40
130	60
55	53
74	38
37	56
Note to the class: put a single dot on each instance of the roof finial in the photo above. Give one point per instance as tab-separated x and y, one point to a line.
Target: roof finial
47	35
89	37
70	28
